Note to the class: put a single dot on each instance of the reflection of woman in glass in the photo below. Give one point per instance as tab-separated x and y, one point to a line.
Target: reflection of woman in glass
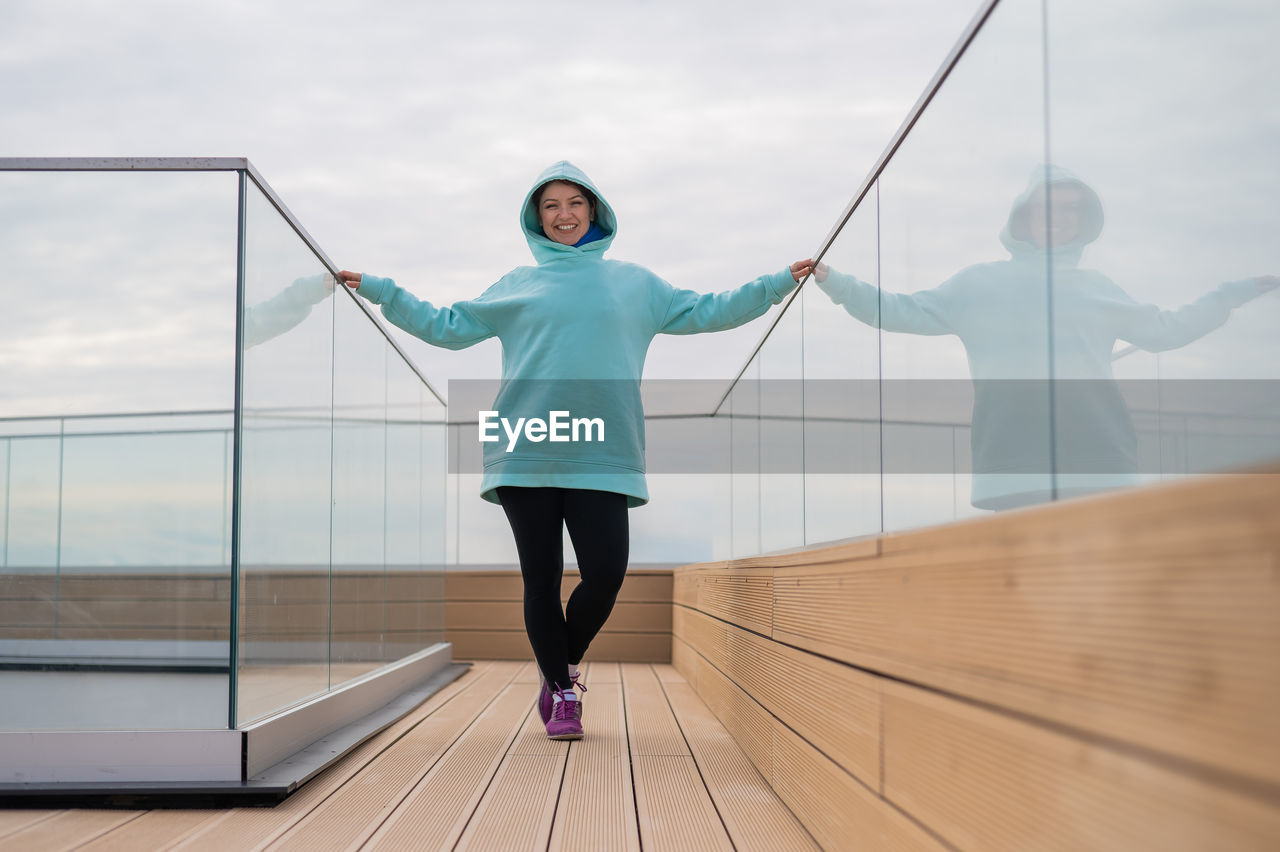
574	320
286	309
1001	313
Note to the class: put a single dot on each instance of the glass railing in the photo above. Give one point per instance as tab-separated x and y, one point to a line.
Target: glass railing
1057	281
1051	284
198	535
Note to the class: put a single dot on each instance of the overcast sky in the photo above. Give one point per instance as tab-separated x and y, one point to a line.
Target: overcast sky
727	136
403	135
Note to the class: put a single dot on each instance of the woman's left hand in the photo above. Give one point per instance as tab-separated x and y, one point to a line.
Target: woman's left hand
801	269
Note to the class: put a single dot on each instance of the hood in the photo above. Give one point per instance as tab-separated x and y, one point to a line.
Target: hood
1016	236
546	250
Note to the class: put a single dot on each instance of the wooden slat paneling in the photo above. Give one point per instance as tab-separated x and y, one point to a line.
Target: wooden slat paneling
17	820
839	811
354	810
152	830
650	722
604	672
424	585
845	550
485	617
67	830
640	585
627	616
668	674
743	596
833	706
1147	617
597	803
434	814
179	632
386	784
674	808
514	645
986	780
111	613
685	660
750	724
754	816
1175	655
36	585
129	587
519	805
1061	677
21	615
185	606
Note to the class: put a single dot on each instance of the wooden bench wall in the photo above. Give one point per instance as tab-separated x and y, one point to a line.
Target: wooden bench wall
480	612
397	606
1094	674
484	617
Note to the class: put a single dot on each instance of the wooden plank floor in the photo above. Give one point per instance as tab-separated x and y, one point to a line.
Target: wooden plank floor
471	768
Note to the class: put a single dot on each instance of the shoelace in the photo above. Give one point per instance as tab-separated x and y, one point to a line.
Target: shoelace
561	712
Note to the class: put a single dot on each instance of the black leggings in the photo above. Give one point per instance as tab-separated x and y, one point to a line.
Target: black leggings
597	522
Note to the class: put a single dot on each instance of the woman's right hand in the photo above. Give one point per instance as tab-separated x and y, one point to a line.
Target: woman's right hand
351	279
800	269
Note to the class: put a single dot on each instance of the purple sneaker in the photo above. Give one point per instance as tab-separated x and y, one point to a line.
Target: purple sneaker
544	702
566	719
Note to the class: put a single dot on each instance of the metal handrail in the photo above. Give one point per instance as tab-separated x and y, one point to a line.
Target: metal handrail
209	164
277	415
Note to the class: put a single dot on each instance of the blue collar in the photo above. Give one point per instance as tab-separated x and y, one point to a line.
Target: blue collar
593	233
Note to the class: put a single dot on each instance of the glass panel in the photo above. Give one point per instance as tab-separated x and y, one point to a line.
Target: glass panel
782	434
964	300
35	473
113	595
360	506
674	527
428	586
404	506
687	459
842	394
484	536
145	501
286	454
1163	240
135	310
454	531
744	442
6	447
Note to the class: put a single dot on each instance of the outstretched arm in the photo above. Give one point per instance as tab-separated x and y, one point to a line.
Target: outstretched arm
285	309
455	327
690	312
1148	327
912	313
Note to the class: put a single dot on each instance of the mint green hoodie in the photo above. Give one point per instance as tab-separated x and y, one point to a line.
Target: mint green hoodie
575	330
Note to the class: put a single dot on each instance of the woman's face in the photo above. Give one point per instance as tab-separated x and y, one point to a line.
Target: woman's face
565	212
1061	225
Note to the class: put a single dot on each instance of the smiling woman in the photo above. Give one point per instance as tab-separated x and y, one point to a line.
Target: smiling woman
567	211
575	329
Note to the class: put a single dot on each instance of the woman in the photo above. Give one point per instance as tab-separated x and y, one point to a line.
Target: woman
574	331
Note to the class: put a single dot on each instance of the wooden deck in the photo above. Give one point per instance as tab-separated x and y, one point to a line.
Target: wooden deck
471	768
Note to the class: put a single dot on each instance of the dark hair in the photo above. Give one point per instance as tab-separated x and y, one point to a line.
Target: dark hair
590	196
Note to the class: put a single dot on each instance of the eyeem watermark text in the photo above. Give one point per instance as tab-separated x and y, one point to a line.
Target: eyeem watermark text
558	427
